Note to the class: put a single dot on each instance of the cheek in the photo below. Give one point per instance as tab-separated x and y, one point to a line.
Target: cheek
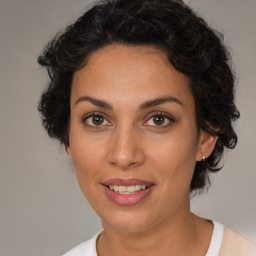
86	163
174	163
87	154
175	157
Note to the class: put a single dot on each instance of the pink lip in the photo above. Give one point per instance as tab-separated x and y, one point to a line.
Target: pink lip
124	199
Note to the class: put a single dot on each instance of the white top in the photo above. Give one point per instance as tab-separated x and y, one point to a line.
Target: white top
224	242
216	240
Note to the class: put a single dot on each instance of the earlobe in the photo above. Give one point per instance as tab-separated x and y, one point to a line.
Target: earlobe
67	148
206	145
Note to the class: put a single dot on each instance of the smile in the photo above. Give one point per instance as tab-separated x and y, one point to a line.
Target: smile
126	190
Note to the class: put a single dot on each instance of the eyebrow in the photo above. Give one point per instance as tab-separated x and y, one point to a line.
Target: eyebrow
94	101
159	101
145	105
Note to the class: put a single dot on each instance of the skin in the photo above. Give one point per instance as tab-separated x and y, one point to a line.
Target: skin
131	144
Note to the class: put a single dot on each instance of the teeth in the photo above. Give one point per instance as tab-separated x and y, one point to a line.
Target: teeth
131	189
127	189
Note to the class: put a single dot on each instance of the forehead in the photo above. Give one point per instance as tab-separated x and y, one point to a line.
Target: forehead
130	73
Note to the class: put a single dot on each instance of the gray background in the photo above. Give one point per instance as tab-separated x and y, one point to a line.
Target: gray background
42	211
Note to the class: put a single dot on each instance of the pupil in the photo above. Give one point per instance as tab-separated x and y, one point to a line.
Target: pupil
158	120
97	120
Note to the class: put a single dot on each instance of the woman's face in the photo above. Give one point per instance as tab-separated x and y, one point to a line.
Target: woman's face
133	130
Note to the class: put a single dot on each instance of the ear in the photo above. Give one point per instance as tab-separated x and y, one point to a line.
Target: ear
68	150
206	145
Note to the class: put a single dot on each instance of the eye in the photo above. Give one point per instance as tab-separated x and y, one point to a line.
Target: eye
95	120
160	119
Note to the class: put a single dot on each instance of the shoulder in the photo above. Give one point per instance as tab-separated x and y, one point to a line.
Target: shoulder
236	245
87	248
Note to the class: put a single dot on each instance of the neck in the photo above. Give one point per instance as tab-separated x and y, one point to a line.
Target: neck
167	238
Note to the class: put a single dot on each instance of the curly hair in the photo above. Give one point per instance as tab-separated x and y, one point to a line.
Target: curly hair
192	48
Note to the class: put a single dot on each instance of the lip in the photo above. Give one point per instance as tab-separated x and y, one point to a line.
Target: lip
128	182
127	199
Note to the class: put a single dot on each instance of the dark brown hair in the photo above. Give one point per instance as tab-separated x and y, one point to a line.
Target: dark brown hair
192	47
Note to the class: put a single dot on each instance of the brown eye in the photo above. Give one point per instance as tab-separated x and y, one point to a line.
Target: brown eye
96	120
159	120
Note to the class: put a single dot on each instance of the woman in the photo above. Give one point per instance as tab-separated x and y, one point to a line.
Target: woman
142	97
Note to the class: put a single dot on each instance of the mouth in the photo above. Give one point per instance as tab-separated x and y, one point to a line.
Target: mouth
127	192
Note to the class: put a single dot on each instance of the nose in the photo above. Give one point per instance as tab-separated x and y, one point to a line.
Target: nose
126	149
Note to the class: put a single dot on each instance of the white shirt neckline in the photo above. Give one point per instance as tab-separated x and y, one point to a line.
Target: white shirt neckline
216	239
89	247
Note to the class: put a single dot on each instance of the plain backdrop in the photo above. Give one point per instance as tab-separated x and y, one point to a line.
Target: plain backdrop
42	211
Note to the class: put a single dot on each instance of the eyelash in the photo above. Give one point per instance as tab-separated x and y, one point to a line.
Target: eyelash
85	119
164	115
156	114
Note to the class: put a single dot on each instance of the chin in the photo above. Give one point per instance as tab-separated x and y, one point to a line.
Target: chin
129	222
